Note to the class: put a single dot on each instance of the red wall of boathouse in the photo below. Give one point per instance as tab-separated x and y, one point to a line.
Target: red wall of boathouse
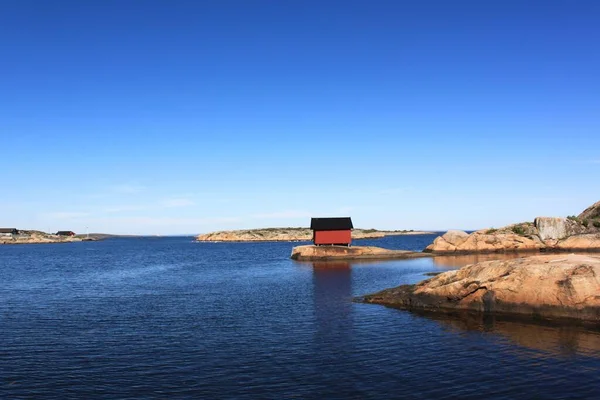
333	237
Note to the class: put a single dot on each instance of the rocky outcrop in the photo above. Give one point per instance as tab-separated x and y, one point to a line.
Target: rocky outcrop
545	233
483	241
289	235
550	286
590	213
326	253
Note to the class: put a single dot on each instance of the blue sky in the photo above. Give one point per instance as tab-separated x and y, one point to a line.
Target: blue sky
170	117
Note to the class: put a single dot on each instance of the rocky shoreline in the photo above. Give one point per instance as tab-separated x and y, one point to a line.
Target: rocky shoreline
539	287
290	235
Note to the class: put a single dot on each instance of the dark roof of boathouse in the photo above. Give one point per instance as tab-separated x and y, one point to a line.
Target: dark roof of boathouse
331	224
9	230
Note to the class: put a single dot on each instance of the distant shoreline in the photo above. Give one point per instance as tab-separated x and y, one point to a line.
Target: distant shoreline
401	233
293	235
39	237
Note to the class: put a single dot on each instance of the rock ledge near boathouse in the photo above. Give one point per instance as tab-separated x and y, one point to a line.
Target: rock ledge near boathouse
331	253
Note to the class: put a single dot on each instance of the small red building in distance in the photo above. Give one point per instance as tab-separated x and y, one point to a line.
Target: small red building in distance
332	231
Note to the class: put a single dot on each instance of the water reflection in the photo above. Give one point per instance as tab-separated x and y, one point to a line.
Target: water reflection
332	290
557	339
332	293
320	266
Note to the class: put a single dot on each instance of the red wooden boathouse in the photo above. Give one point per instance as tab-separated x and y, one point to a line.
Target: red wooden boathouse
332	231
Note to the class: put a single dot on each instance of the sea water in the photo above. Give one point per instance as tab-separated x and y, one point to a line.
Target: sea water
170	318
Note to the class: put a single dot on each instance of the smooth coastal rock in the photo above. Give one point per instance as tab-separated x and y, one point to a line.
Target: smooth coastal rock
452	239
579	242
327	253
550	286
481	241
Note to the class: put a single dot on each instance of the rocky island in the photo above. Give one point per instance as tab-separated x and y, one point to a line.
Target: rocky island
290	235
573	233
549	287
38	237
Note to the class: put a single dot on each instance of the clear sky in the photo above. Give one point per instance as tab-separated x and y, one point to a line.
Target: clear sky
169	117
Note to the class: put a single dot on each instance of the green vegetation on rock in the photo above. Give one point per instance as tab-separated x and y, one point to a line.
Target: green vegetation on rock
518	229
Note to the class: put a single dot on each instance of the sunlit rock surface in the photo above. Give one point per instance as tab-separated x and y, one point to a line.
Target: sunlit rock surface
324	253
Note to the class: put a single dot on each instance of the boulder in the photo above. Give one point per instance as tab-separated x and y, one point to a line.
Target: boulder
550	286
552	228
455	237
448	242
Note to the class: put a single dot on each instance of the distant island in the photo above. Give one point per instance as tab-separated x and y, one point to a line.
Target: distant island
38	237
21	236
292	235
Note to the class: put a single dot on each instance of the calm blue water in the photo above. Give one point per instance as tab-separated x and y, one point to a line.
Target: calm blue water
170	318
